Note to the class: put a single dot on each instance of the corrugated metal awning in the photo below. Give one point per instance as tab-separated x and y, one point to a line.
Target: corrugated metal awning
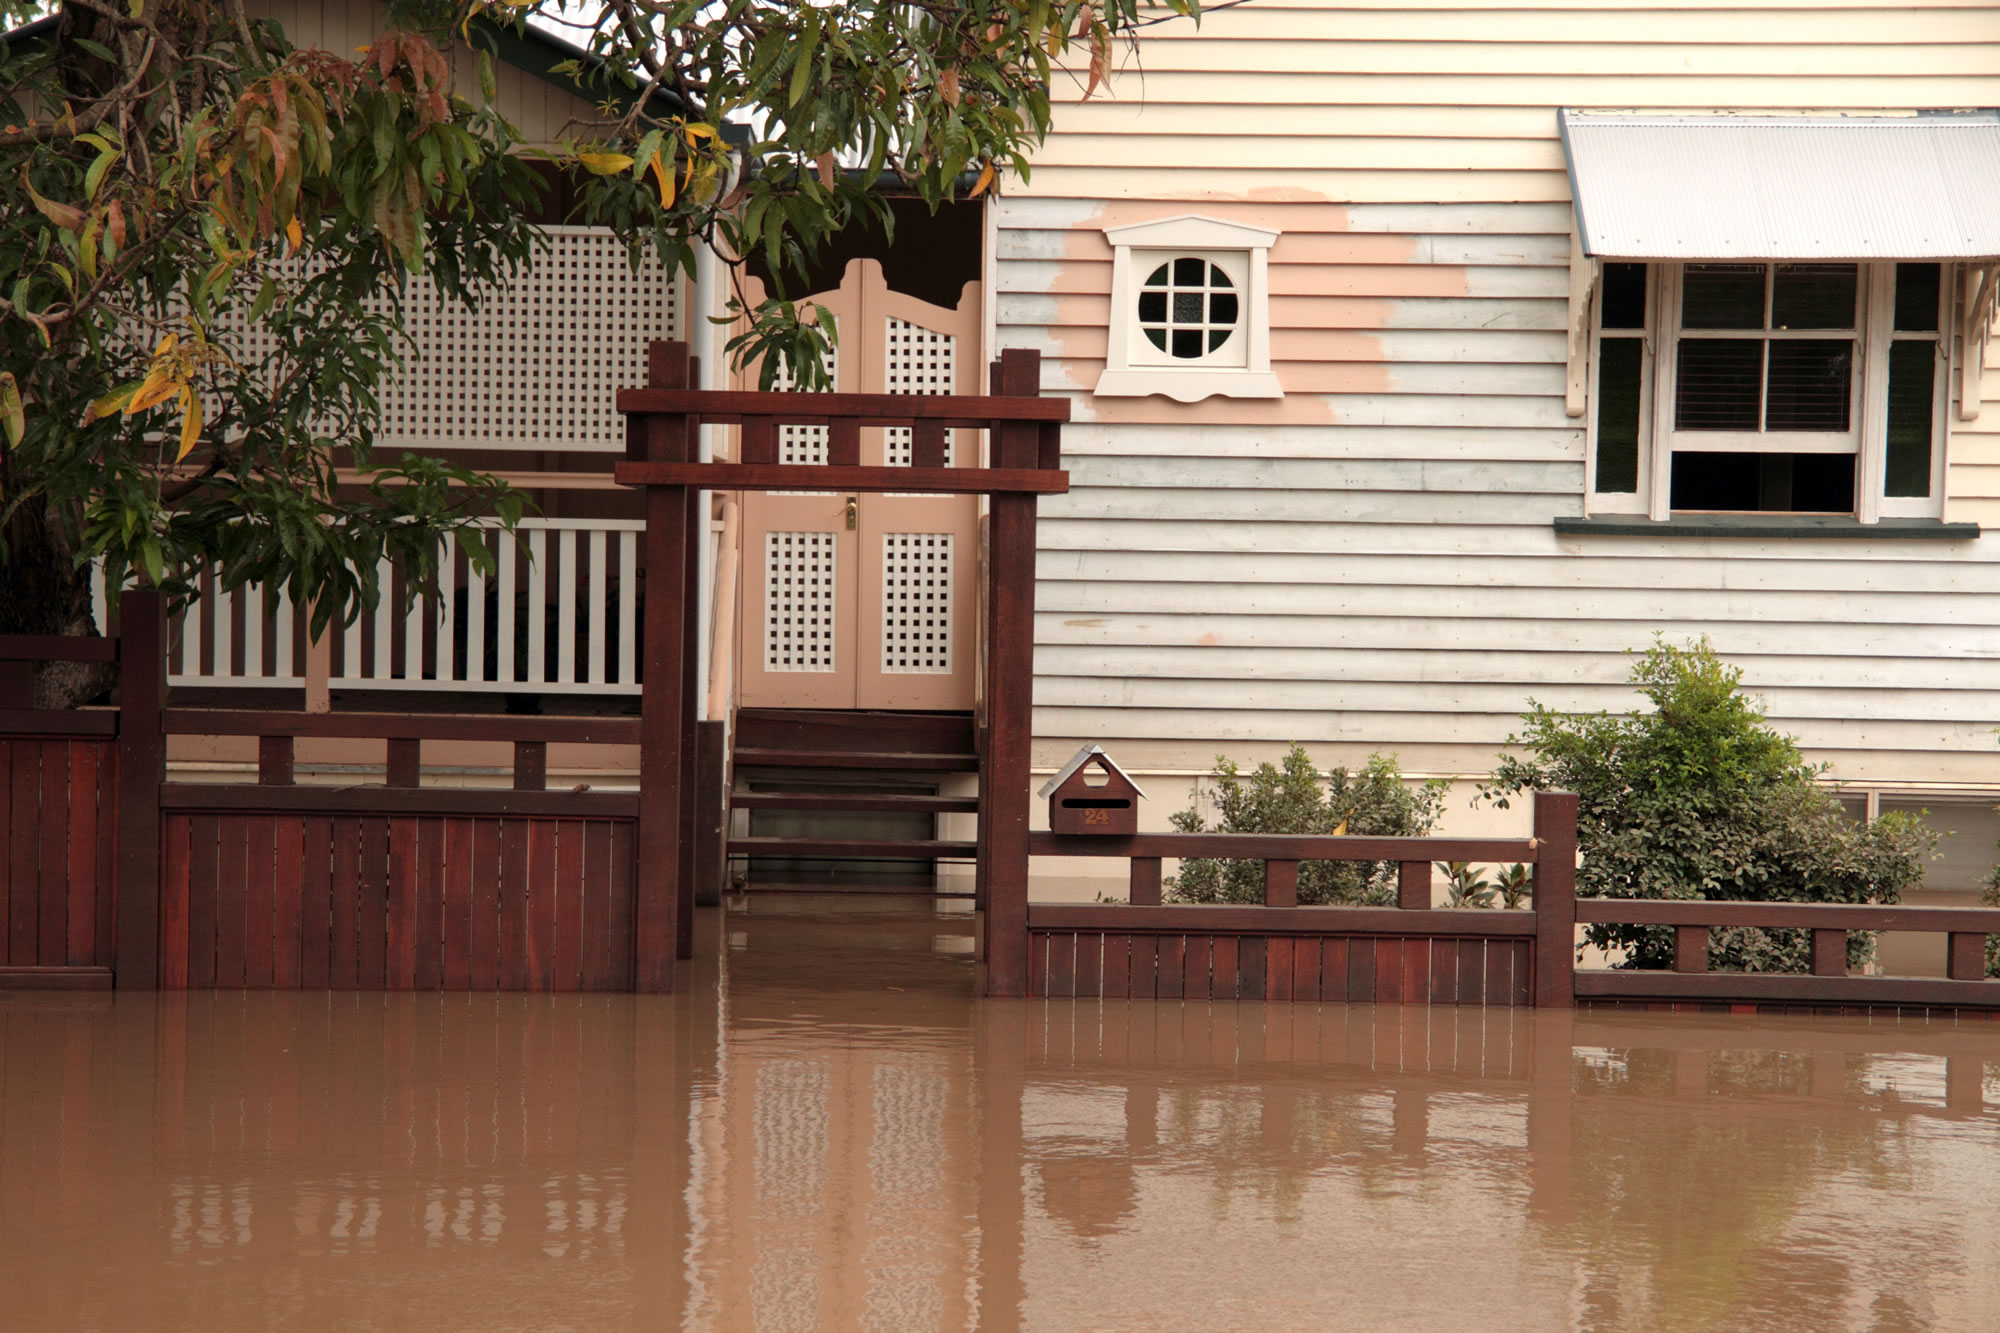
1764	187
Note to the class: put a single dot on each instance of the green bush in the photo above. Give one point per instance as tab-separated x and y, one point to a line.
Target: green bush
1698	798
1991	897
1288	799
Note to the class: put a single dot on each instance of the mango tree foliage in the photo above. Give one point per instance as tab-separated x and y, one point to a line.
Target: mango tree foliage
205	233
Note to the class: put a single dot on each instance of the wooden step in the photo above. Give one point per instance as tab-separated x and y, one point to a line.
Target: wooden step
863	802
762	757
820	729
849	849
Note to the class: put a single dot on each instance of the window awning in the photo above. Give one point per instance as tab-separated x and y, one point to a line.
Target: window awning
1724	187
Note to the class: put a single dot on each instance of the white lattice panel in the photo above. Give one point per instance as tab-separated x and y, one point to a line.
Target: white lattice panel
919	360
536	366
799	601
803	444
916	602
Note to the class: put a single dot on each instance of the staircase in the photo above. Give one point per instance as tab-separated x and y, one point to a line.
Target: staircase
838	799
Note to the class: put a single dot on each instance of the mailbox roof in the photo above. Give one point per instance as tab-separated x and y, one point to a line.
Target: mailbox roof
1078	760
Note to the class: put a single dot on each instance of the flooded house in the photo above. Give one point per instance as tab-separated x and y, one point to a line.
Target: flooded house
1421	362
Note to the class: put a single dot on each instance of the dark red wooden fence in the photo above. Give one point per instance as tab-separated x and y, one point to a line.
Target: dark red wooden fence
397	886
1410	953
58	825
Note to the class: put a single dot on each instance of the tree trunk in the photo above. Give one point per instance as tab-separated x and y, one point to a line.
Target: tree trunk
44	591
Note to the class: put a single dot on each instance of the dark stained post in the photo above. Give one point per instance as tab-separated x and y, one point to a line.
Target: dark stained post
406	762
142	762
1145	890
531	765
1010	671
274	761
694	534
1281	884
1555	900
1829	953
1413	885
711	810
663	709
1965	956
1691	948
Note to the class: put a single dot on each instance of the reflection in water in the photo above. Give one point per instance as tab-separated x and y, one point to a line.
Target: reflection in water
829	1132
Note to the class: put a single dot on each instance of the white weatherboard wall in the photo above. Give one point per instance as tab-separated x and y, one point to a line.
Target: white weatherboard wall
1370	563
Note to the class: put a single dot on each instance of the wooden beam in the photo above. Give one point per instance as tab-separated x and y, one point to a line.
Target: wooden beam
1245	919
1555	898
728	406
1752	987
375	799
400	726
57	648
1824	916
1020	479
1284	847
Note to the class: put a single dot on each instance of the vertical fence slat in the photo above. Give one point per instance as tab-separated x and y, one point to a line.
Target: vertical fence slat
596	603
484	956
23	847
567	971
287	899
80	948
385	632
372	905
283	661
541	889
455	967
628	607
566	606
538	606
514	905
474	663
204	833
260	906
1117	984
343	919
400	907
174	903
444	619
52	912
508	552
429	970
232	896
316	902
221	631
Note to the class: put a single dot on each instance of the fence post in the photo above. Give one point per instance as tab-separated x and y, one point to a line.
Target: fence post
663	741
1010	670
142	762
1555	900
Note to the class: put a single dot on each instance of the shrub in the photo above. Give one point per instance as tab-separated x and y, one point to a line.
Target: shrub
1991	897
1698	798
1288	798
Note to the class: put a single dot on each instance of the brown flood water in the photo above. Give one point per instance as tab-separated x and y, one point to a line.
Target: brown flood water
827	1131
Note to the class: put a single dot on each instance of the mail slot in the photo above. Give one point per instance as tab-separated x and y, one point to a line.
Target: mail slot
1092	795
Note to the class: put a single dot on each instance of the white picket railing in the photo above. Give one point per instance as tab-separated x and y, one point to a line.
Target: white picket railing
472	633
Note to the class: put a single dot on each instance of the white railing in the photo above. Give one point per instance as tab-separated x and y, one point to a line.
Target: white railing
470	632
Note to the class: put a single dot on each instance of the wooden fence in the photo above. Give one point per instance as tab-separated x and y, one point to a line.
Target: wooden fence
397	886
1409	953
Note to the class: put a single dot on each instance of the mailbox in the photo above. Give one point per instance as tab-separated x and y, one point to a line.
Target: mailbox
1091	794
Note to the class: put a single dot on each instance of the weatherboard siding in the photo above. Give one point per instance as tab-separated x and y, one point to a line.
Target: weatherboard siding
1370	562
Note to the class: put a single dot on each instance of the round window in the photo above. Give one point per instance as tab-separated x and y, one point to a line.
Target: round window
1188	308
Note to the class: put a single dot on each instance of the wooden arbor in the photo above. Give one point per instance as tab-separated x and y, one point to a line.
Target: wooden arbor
1023	455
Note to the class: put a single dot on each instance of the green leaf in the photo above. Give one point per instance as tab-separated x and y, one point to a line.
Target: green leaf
12	417
489	88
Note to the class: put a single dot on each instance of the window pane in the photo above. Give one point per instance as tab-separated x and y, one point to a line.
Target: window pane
1157	337
1187	272
1618	366
1912	366
1153	307
1187	343
1722	296
1624	296
1217	337
1217	278
1917	297
1813	296
1718	384
1158	277
1187	307
1763	483
1810	384
1222	308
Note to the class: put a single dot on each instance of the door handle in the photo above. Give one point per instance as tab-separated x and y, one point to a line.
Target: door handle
853	509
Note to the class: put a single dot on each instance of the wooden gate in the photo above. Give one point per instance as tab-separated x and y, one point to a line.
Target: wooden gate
857	599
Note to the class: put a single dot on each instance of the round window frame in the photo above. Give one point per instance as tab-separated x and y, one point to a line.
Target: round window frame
1233	354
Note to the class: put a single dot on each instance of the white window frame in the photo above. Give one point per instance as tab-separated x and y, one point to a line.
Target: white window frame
1241	367
1868	413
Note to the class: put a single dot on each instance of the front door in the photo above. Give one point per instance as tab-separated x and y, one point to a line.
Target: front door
867	601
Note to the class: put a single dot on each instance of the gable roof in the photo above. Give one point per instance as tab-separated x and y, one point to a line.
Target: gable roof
1078	760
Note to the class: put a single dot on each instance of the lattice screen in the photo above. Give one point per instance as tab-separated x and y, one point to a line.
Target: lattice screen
799	601
920	360
536	366
916	602
804	444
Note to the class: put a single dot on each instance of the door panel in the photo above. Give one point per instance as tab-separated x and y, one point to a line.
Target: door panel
867	601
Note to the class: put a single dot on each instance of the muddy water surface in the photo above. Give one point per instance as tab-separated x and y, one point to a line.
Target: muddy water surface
827	1131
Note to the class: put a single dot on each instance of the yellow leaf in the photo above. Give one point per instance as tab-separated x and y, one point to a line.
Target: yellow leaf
825	167
604	164
167	345
948	86
295	235
698	130
985	181
11	415
190	422
110	402
155	389
1340	829
664	171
